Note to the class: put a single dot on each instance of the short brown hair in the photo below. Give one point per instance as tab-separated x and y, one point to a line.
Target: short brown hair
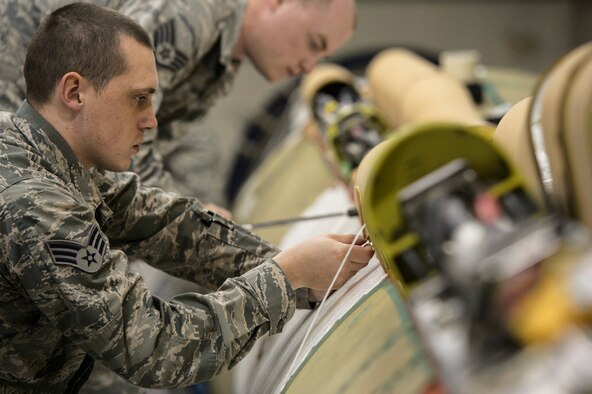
79	37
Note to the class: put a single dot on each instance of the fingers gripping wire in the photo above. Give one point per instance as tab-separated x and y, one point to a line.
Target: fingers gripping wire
318	310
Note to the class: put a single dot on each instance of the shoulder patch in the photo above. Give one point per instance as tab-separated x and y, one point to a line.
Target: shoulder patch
86	257
166	53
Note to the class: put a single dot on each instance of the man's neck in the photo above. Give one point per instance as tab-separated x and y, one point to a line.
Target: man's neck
252	11
55	117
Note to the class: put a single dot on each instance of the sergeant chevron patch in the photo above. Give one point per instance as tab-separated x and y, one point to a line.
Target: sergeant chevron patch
165	50
87	258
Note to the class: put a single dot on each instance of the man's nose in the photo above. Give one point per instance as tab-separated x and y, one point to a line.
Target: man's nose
150	122
306	66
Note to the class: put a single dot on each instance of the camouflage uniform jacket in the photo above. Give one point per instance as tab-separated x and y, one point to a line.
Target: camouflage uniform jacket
193	42
67	296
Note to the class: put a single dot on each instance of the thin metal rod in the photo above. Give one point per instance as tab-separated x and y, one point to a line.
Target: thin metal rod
352	212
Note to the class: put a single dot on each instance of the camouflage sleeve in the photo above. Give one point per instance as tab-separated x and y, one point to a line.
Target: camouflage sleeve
81	284
15	30
11	95
176	234
207	248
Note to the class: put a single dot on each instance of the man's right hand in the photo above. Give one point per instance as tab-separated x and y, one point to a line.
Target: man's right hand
314	262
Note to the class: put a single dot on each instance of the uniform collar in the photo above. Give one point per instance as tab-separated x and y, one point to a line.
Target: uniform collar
64	160
230	26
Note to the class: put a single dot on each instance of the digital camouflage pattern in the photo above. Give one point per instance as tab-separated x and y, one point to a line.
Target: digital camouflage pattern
55	317
193	42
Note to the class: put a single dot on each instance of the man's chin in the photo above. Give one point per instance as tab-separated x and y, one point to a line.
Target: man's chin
116	167
270	77
268	74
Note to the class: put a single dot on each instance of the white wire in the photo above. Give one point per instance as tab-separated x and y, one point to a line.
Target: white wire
318	310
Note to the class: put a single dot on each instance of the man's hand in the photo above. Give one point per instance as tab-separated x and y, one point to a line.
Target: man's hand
313	263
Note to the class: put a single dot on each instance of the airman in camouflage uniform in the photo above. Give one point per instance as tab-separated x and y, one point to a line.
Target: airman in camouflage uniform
68	296
199	46
67	228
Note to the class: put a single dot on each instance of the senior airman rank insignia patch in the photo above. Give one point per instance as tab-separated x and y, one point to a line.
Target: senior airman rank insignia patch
87	258
165	51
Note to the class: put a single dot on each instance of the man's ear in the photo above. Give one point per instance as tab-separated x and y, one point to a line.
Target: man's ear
71	89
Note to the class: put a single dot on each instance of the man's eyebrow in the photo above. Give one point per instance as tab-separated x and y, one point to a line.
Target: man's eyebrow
144	91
